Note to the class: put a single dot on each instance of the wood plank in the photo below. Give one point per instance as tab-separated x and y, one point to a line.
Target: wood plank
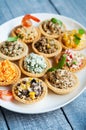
3	125
48	121
76	112
10	9
75	9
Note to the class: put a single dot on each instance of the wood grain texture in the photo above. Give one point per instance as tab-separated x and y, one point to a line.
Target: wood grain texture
3	125
48	121
76	112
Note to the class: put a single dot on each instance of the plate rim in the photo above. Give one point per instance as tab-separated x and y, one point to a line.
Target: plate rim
67	102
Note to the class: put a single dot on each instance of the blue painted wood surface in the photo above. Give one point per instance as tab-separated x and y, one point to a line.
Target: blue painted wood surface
70	117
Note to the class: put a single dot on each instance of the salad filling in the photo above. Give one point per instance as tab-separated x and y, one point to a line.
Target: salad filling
46	45
34	63
74	60
61	79
11	49
53	26
26	33
74	38
29	89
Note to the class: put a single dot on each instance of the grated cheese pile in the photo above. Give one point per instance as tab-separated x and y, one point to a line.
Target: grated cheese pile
7	71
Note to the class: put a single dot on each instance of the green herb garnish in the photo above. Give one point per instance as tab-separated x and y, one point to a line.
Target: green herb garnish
74	62
12	39
54	20
76	39
81	31
60	64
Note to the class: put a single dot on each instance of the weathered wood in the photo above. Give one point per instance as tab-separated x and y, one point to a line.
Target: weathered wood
3	125
75	9
76	112
48	121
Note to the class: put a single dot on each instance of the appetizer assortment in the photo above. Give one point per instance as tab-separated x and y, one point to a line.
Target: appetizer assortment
50	42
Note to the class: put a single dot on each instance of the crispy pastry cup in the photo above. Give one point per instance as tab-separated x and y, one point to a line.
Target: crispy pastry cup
49	35
15	79
33	74
61	91
81	46
83	65
48	55
12	33
30	101
24	53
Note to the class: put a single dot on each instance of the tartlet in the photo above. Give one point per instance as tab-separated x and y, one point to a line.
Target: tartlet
13	50
29	90
9	73
74	39
61	81
47	47
26	34
34	65
52	28
75	61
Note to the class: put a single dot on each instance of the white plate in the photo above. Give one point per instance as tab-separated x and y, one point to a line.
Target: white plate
52	101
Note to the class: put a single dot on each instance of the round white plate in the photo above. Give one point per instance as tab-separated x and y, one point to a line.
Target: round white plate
52	101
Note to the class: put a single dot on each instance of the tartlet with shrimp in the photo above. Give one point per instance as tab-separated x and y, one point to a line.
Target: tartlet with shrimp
52	28
74	39
29	90
34	65
74	61
26	31
47	47
9	73
13	49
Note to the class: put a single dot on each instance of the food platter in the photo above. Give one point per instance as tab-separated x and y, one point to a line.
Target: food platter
51	101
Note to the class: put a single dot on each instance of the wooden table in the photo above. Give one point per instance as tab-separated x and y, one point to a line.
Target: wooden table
73	115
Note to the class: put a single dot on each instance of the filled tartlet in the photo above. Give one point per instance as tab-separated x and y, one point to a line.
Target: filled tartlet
26	31
34	65
47	47
74	60
13	50
75	39
29	90
61	81
52	28
9	73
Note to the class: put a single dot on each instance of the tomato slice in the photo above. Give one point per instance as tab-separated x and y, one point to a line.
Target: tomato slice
6	95
26	20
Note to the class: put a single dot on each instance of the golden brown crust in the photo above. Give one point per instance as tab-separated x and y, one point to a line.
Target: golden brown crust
16	78
81	46
30	101
62	91
24	53
32	74
48	55
47	35
25	41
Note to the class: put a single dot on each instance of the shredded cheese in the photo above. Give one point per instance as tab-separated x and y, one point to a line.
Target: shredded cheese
7	71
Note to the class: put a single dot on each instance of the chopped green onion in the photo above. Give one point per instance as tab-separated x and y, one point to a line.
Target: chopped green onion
81	31
74	62
12	39
77	39
54	20
60	64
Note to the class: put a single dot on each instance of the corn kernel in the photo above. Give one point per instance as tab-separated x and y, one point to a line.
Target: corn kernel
32	95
